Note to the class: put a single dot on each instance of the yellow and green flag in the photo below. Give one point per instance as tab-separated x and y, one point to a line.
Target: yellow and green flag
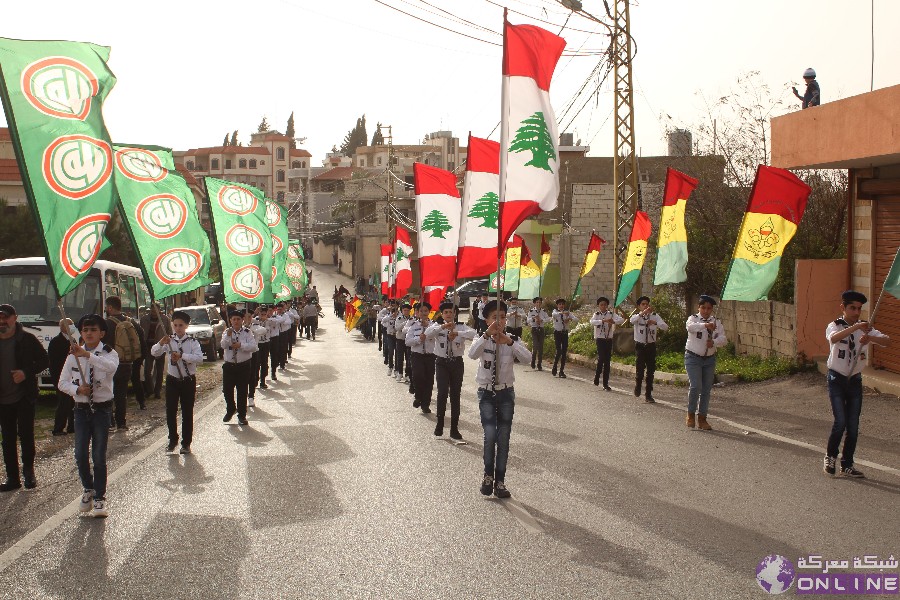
637	251
595	244
777	203
671	249
529	276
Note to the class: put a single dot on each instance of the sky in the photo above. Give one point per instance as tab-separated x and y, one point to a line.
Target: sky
188	72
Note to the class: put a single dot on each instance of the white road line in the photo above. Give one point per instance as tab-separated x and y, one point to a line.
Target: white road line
29	540
523	516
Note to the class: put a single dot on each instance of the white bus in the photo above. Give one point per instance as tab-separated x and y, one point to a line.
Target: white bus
27	284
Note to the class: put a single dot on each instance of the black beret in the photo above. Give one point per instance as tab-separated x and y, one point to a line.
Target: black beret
446	306
180	314
92	319
235	313
491	307
705	299
642	298
426	305
853	296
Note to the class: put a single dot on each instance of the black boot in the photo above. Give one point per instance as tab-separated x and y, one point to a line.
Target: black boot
11	483
637	388
28	478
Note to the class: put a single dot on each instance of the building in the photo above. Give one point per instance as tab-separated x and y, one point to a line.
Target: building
11	188
858	134
439	149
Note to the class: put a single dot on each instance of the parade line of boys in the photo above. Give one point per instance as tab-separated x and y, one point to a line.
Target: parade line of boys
422	352
416	350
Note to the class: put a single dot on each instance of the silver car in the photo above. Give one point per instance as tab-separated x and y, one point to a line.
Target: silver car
206	327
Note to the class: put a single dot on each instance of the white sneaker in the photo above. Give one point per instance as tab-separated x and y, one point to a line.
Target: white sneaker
86	498
250	402
405	379
390	372
100	510
398	376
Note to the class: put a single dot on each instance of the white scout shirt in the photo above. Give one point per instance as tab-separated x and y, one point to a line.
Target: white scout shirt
515	316
388	322
602	329
400	327
284	322
191	355
247	341
847	356
99	369
485	351
413	330
645	328
444	347
537	317
698	335
561	319
273	327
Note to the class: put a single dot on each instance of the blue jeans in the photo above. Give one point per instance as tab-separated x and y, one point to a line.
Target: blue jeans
497	410
846	404
92	429
701	371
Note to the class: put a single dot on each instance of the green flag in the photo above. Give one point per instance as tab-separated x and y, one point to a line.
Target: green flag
238	213
53	93
161	219
276	218
892	281
296	268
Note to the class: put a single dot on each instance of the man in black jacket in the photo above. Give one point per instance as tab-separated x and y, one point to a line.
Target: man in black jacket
58	351
22	358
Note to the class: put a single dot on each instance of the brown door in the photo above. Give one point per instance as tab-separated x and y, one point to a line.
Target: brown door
886	223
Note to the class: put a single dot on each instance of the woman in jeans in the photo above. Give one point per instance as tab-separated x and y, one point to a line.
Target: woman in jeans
705	336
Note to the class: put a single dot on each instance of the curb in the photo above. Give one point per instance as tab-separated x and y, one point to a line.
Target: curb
659	376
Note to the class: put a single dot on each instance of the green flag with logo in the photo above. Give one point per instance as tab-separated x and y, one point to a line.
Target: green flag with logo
162	221
52	94
243	240
296	268
276	218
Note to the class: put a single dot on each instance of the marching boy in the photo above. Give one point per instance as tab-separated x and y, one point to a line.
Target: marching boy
537	316
262	340
401	352
238	345
449	346
705	335
184	354
561	320
273	328
87	376
496	396
389	335
849	340
604	322
421	357
646	328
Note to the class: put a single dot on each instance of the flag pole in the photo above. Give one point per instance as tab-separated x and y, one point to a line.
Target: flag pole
62	311
583	262
871	318
541	273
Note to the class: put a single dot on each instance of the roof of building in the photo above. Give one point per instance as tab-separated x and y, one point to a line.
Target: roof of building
339	174
188	176
300	152
274	136
228	150
9	170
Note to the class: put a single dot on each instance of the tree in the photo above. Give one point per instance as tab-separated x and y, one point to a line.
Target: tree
355	138
225	141
488	208
534	136
290	131
436	222
234	141
263	125
377	137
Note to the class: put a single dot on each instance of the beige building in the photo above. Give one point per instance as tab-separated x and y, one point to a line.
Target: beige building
11	188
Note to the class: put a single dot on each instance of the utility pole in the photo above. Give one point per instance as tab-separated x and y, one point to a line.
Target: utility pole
625	170
389	138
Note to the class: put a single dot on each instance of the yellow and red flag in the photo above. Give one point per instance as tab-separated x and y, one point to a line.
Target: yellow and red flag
777	203
672	253
595	244
637	251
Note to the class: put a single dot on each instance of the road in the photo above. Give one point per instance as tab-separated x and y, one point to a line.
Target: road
338	489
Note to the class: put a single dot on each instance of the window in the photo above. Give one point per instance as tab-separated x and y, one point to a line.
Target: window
295	164
214	164
379	161
280	197
252	163
190	165
242	163
302	164
279	154
279	176
227	163
451	166
362	162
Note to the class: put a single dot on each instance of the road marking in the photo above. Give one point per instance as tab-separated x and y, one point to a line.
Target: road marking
523	516
29	540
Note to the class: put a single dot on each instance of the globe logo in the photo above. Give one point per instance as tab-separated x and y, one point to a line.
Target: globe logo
775	574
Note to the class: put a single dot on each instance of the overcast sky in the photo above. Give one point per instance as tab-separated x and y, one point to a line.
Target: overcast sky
188	72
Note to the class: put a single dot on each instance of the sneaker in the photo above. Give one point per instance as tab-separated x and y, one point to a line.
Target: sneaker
487	485
29	479
227	417
251	402
263	386
274	376
455	435
607	388
637	390
416	403
390	372
185	449
242	420
829	466
532	365
553	372
100	509
851	472
405	379
649	400
86	499
500	490
59	433
171	447
426	410
10	485
438	430
540	368
596	381
562	375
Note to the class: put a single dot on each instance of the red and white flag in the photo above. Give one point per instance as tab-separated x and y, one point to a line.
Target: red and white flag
402	267
386	251
434	295
529	135
437	217
477	255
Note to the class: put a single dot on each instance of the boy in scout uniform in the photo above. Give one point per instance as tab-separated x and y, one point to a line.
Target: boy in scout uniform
604	322
537	316
647	324
562	319
449	339
422	357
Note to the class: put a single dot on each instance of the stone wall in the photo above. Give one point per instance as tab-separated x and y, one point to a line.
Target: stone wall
760	328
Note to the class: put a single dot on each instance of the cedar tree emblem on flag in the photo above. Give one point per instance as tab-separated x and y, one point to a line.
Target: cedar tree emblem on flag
487	208
436	222
534	136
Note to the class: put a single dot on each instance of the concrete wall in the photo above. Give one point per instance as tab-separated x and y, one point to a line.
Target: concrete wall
818	285
760	328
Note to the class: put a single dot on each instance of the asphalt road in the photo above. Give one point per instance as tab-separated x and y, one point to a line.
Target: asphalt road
337	488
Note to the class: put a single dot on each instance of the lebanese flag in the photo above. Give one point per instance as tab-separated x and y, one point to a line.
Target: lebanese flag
402	269
434	295
477	254
529	136
437	218
386	251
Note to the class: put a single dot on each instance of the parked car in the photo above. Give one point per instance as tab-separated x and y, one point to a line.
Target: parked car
214	294
471	289
206	327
